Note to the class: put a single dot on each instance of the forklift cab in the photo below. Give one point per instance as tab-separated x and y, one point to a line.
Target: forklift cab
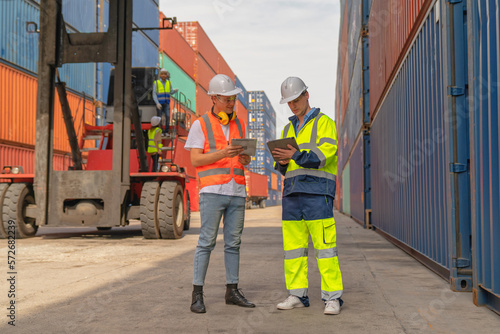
143	79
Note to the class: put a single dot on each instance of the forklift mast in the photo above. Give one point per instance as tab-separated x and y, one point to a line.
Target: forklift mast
104	192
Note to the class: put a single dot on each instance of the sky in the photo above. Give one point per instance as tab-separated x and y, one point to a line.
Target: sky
266	41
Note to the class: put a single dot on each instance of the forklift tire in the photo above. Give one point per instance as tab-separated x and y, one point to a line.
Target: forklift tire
17	198
149	210
3	190
171	210
262	204
187	221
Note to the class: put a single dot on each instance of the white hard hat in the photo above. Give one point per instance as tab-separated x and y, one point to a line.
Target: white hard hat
164	71
155	120
291	89
221	84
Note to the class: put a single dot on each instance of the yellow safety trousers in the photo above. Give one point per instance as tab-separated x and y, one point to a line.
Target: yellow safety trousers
296	244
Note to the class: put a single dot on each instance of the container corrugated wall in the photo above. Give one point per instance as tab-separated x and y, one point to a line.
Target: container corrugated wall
357	188
20	48
178	49
18	92
145	15
409	152
484	27
243	96
25	157
391	24
203	101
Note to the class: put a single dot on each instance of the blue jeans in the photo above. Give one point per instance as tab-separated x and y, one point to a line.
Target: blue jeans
165	109
212	208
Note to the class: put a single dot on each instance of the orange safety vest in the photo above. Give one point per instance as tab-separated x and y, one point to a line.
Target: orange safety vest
226	169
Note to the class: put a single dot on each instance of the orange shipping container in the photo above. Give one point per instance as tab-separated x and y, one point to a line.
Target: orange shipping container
241	111
25	157
274	181
18	93
197	38
178	49
203	101
204	73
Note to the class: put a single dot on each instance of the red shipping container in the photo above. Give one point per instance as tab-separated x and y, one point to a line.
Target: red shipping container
178	49
223	68
392	26
203	73
194	193
203	101
25	157
197	38
18	93
256	184
183	157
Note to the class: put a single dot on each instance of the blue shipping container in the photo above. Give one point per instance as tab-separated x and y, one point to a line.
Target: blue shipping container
243	96
484	23
20	47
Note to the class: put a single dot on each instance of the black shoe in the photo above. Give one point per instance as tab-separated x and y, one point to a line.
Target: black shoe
234	296
197	305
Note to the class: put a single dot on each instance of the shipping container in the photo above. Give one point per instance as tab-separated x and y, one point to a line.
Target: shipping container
223	68
393	25
177	48
243	96
193	189
203	73
203	101
19	42
183	157
144	50
18	93
419	157
25	157
180	80
256	186
356	183
483	31
145	15
241	112
258	100
196	37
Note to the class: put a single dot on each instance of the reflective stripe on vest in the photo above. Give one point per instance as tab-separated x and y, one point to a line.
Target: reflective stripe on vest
224	170
163	92
151	141
312	145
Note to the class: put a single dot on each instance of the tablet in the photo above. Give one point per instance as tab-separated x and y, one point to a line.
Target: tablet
249	145
282	143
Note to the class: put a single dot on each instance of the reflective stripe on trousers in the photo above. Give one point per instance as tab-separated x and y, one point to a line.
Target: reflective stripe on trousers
295	243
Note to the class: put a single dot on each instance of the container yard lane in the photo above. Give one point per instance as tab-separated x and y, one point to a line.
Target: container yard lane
87	281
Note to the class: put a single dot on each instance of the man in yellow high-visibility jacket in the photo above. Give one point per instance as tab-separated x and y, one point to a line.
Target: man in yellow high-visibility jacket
154	142
308	194
162	89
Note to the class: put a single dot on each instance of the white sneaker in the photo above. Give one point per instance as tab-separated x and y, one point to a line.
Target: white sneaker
332	307
290	303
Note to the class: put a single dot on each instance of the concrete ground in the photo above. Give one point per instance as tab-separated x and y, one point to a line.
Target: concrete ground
86	281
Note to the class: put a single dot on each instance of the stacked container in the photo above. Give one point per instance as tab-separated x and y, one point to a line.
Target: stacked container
426	145
18	81
262	126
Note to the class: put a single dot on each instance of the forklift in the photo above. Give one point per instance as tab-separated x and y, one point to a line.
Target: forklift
113	184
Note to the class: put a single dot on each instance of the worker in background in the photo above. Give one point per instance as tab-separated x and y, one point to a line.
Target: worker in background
154	141
308	194
221	176
162	89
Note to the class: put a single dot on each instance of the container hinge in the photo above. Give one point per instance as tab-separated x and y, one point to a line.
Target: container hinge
457	168
456	91
461	262
454	1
